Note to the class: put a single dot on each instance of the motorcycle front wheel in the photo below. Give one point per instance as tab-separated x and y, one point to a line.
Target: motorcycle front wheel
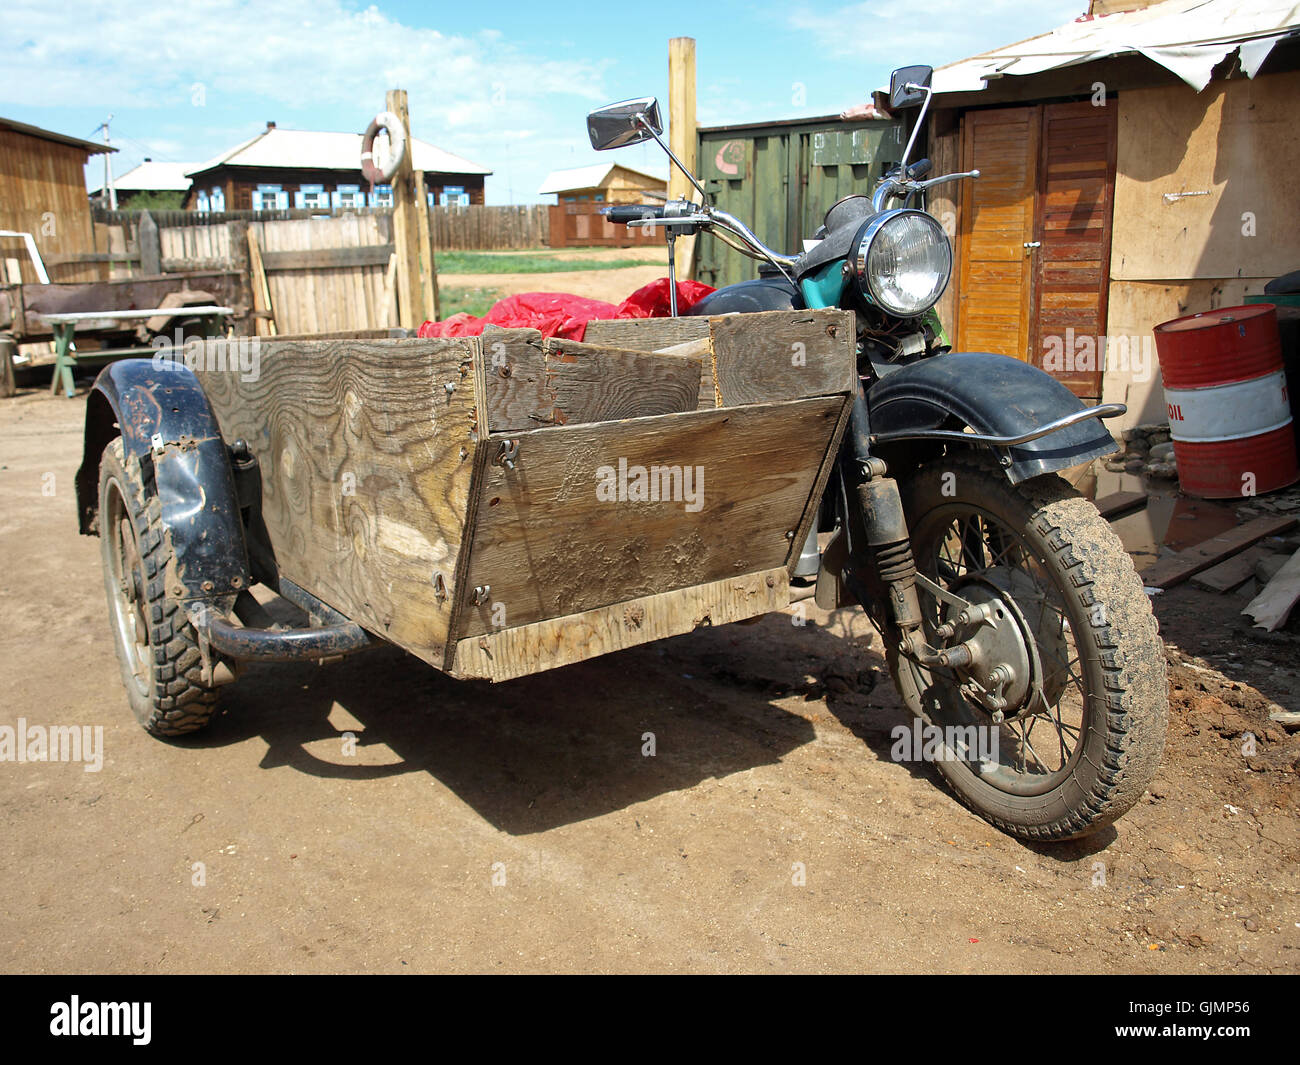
1071	733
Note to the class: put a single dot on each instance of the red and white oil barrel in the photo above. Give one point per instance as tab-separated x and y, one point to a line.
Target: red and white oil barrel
1226	398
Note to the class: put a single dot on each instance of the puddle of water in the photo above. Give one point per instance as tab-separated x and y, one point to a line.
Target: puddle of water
1168	523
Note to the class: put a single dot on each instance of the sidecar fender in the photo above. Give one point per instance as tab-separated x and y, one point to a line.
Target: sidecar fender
168	427
994	395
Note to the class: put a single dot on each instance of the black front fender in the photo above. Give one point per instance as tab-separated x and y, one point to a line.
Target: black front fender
168	428
994	395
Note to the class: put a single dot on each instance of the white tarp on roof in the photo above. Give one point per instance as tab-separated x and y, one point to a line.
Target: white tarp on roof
329	151
1188	37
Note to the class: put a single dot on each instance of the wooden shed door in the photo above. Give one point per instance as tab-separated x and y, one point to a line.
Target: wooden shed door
1035	239
997	213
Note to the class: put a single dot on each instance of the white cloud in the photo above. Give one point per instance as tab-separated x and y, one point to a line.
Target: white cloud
301	53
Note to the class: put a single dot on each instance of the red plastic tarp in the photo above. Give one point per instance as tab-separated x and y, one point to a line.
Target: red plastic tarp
558	314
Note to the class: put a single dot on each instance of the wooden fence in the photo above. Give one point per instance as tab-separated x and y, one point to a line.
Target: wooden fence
312	273
474	228
327	275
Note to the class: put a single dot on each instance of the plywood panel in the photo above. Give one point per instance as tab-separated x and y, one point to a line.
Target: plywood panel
1235	142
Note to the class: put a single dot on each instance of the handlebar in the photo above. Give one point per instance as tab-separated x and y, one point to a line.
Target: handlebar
623	213
894	185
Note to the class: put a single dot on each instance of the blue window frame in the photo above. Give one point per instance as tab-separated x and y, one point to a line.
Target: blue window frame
270	198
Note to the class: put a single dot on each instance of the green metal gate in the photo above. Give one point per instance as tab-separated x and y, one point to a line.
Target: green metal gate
781	177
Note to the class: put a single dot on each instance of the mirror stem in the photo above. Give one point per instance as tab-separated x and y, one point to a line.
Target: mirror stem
641	121
916	128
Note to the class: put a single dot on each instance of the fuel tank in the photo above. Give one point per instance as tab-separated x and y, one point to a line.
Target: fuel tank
764	294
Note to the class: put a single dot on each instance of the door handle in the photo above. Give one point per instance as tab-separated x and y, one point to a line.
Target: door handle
1033	244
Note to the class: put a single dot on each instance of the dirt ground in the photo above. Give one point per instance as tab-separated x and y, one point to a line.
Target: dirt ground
599	283
520	827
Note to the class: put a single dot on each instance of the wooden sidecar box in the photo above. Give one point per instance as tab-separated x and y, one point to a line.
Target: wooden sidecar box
504	504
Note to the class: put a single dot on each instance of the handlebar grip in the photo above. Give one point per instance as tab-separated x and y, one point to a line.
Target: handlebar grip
919	169
623	213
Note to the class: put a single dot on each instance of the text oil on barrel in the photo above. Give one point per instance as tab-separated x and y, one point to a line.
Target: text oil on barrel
1225	394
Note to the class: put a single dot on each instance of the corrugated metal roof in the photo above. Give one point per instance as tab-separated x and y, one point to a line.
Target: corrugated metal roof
311	150
588	177
152	176
50	135
1187	37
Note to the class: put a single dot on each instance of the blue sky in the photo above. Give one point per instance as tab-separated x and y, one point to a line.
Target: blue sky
506	84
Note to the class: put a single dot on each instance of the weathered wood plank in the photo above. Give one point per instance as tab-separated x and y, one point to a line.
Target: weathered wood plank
551	539
517	392
327	258
775	355
1229	574
516	652
645	334
819	486
533	382
592	383
1171	571
1117	504
703	348
1274	604
367	462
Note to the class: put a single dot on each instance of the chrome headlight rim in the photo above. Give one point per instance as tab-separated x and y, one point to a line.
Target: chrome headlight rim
862	245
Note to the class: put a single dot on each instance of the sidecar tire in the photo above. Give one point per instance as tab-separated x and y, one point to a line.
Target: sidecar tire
157	647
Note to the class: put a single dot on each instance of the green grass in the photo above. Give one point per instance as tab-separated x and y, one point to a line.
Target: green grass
477	262
475	301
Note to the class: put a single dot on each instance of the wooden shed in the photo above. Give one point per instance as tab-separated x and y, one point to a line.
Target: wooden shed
604	183
1134	166
43	192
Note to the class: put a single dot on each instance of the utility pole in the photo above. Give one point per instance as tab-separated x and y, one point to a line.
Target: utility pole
109	192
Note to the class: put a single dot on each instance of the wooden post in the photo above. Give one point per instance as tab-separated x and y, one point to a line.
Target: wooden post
150	248
264	326
406	235
428	263
241	265
8	386
681	135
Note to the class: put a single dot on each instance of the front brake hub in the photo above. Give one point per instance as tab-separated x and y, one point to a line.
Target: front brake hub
1001	674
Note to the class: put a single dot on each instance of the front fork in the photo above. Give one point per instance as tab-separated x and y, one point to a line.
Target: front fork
887	542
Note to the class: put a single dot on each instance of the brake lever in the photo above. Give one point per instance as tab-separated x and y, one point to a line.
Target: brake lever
921	186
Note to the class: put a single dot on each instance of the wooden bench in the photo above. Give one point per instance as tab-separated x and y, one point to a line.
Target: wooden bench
66	355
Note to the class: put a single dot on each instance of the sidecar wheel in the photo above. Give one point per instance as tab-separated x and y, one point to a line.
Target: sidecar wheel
1040	554
157	647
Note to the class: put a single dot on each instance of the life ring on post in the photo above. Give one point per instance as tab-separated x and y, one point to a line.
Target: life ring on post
385	120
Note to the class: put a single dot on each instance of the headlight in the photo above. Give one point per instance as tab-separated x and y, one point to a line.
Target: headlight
903	261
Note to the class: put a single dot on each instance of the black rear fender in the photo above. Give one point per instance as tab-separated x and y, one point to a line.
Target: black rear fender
167	426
